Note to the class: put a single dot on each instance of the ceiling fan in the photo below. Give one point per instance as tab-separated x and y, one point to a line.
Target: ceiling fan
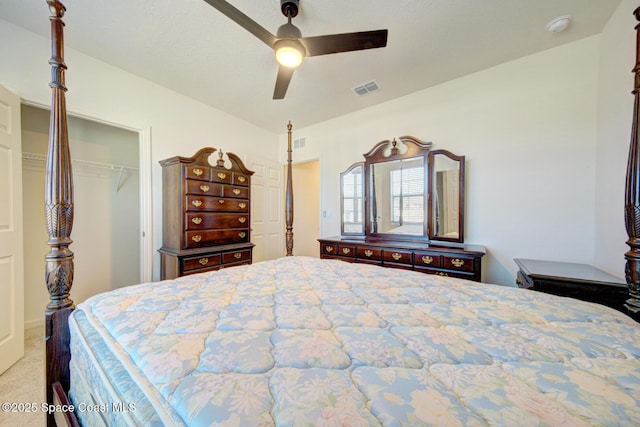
289	45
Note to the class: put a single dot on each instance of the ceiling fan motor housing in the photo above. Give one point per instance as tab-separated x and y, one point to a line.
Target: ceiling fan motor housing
289	7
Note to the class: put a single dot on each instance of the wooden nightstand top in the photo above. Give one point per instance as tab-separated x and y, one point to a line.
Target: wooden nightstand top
568	271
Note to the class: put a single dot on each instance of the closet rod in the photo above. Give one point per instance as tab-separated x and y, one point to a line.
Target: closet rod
82	163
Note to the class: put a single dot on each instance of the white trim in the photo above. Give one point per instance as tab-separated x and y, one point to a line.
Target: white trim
146	206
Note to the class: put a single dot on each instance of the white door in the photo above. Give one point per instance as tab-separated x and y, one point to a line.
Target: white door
267	209
11	262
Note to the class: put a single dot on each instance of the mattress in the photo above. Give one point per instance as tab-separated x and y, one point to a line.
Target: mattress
303	341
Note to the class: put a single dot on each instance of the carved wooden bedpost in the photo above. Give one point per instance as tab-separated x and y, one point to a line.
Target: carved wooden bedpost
59	218
632	193
289	197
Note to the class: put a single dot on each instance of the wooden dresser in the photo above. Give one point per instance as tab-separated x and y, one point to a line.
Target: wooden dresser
463	261
206	214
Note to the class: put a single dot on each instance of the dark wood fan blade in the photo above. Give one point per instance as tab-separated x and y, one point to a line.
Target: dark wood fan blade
336	43
244	21
282	81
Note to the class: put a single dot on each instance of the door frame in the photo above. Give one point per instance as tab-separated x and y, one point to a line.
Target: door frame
145	185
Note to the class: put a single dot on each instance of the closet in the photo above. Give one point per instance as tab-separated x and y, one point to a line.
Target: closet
106	227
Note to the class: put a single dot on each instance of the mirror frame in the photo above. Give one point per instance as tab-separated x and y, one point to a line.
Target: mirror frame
431	185
386	151
342	175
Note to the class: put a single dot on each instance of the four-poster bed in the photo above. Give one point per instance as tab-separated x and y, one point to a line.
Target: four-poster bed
301	340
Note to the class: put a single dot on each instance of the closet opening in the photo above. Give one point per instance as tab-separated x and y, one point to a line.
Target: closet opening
108	236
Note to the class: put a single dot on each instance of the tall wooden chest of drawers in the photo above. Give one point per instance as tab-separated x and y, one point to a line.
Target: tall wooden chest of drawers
206	214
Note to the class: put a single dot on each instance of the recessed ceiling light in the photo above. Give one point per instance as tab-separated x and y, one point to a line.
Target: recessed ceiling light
559	24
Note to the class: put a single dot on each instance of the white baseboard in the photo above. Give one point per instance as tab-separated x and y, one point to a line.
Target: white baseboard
34	323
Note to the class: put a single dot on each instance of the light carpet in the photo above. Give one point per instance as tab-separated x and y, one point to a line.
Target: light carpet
24	382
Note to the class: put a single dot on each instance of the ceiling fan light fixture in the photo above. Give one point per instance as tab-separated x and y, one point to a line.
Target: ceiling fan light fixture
289	53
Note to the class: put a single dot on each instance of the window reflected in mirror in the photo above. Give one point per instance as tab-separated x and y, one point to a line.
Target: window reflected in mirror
352	200
404	191
398	197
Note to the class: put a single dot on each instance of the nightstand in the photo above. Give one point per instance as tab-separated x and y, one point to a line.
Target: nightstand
580	281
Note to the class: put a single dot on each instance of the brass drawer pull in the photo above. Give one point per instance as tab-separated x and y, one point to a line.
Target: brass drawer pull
368	252
242	234
328	249
236	191
242	205
427	259
241	179
221	201
222	175
197	203
197	220
346	250
203	261
237	255
457	262
242	220
198	172
196	238
396	256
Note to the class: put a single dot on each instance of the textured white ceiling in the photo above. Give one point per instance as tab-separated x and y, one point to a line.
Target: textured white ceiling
189	47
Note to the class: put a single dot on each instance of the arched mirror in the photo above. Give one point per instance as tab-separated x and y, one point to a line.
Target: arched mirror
446	221
404	191
396	177
352	200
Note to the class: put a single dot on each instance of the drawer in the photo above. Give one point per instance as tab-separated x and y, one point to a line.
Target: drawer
364	252
397	256
329	249
368	261
427	259
203	188
208	220
235	192
457	263
236	256
347	250
195	263
398	266
198	239
222	176
204	203
202	270
458	274
200	173
240	179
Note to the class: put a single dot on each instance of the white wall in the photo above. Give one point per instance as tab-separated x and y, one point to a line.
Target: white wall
615	110
528	130
179	125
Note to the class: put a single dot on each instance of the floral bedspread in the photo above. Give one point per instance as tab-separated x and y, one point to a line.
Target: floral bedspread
302	341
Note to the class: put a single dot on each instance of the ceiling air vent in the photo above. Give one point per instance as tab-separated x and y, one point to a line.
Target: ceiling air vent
299	143
371	86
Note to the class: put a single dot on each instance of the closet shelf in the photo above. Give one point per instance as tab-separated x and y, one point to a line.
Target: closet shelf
87	164
82	163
